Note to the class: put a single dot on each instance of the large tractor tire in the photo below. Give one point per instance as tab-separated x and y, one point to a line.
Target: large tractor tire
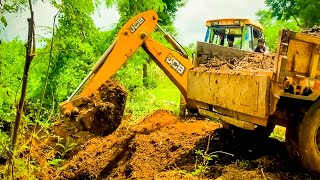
303	137
309	139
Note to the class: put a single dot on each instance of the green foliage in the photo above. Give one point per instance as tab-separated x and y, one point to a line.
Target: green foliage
11	6
11	69
191	49
160	92
4	144
77	45
202	167
272	27
65	146
55	162
305	11
4	21
165	8
279	133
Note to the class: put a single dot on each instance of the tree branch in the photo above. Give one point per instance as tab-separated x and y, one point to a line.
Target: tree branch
294	17
30	49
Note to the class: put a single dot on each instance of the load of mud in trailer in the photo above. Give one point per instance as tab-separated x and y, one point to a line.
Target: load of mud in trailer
254	92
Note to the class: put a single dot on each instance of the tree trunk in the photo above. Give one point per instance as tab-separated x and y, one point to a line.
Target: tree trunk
30	49
145	74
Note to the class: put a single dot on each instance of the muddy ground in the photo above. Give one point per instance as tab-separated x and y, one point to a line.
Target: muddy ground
315	31
163	146
250	61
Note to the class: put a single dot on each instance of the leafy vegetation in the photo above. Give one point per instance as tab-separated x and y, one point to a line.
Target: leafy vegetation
304	12
273	26
13	54
202	163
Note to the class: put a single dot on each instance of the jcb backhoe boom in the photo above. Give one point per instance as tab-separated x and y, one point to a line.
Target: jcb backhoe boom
134	34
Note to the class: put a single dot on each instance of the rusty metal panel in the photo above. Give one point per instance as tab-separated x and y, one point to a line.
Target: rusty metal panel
304	37
230	120
208	50
246	93
299	55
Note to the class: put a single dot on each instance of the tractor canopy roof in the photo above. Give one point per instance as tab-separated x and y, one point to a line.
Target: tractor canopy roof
232	22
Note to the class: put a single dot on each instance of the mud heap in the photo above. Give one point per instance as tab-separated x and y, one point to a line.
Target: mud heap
251	61
315	31
162	146
143	151
102	112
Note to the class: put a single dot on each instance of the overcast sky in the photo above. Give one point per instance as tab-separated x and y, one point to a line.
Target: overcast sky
190	20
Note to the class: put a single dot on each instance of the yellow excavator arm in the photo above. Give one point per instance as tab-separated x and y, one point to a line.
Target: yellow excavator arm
134	34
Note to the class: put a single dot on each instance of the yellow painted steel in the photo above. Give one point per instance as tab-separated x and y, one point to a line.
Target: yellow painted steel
129	42
234	21
244	92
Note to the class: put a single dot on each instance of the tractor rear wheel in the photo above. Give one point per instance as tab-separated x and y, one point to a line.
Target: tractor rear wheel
309	139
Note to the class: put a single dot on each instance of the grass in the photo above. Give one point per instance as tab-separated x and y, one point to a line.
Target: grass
279	133
143	101
160	92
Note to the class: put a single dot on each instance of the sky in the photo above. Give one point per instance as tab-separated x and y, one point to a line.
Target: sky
189	22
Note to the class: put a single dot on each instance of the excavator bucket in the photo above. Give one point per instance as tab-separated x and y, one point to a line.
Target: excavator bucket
102	112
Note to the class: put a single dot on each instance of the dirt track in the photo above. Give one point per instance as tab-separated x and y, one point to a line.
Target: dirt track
163	146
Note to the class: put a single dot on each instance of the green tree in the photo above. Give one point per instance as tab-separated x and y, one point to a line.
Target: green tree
273	26
11	6
165	8
11	67
305	12
77	44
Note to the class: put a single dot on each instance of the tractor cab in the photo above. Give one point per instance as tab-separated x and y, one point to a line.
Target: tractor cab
233	32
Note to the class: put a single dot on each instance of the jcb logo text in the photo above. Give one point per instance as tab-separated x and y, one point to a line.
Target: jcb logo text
136	25
175	64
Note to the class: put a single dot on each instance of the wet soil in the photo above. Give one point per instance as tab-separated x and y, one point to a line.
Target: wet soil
251	61
315	31
62	141
141	151
163	146
102	112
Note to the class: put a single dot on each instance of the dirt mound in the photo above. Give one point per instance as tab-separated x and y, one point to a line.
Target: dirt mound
102	112
251	61
315	31
63	141
141	152
162	146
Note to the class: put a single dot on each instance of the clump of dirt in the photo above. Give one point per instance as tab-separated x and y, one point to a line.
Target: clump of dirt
102	112
141	152
315	31
251	61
